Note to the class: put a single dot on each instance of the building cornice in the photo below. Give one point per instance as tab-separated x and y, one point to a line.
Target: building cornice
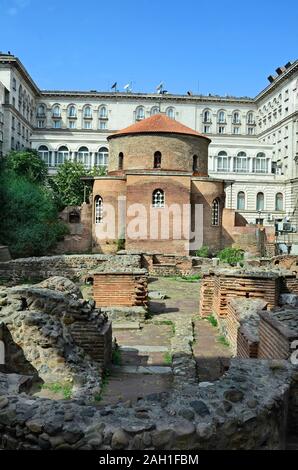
12	61
146	172
277	81
154	97
279	123
17	113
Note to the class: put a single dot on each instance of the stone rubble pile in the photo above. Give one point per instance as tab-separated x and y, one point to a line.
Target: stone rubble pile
36	326
245	409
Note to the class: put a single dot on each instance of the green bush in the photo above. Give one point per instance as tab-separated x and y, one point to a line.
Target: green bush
29	217
68	189
28	164
231	256
203	252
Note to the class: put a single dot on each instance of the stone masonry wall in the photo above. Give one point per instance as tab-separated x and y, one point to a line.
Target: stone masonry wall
72	266
245	409
37	335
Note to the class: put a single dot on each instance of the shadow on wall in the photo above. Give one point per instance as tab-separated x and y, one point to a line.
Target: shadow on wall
13	359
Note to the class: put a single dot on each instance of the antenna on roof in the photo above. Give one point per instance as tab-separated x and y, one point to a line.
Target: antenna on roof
159	88
128	87
114	86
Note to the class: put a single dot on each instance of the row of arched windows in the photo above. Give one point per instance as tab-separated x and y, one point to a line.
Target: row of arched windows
56	158
140	112
157	161
241	162
158	201
102	111
260	201
72	111
222	117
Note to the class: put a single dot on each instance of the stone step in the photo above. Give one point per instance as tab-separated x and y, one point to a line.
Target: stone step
126	326
143	348
159	370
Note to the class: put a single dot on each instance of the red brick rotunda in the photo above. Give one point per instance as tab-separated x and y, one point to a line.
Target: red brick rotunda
157	162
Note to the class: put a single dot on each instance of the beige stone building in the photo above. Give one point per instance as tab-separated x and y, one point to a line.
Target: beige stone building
253	140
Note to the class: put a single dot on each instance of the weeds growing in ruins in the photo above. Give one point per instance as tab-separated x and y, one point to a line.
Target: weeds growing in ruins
104	383
166	322
203	252
212	320
222	340
116	357
64	389
168	358
231	256
186	278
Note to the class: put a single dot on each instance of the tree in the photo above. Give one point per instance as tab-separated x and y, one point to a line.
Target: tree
68	187
29	216
27	163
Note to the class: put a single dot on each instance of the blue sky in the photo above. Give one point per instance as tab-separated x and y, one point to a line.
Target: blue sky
219	46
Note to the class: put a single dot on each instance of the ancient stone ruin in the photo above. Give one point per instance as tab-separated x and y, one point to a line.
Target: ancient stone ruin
49	334
43	328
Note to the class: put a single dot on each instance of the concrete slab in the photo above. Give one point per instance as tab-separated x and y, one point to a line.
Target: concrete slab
144	349
126	326
160	370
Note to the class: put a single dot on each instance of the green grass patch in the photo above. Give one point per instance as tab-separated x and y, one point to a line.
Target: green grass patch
166	322
212	320
116	357
186	278
168	358
57	387
222	340
104	383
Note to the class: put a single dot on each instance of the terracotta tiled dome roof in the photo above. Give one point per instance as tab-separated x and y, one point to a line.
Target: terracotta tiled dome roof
155	124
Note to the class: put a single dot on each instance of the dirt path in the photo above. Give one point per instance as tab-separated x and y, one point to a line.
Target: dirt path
146	352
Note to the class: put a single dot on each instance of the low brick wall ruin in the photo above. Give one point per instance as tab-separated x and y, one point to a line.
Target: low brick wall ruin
120	288
218	288
206	295
277	332
240	326
167	265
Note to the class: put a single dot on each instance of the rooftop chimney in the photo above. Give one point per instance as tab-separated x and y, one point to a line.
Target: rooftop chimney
280	70
270	78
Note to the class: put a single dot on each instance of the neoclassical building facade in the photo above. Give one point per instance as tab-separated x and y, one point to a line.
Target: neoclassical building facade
253	145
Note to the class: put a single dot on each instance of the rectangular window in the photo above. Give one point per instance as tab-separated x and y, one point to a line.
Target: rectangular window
250	130
236	130
222	164
87	125
102	125
40	124
207	129
221	129
57	124
72	124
